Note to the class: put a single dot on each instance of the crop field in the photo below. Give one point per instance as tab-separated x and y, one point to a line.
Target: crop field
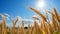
46	27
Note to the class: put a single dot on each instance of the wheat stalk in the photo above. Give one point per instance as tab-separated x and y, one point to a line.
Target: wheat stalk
39	13
44	30
56	14
23	26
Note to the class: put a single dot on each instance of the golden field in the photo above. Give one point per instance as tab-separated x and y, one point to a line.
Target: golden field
46	26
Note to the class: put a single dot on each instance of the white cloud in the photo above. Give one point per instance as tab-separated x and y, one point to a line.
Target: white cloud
34	16
7	16
28	20
1	15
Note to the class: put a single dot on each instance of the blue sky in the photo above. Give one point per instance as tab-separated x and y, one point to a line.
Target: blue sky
21	7
16	7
